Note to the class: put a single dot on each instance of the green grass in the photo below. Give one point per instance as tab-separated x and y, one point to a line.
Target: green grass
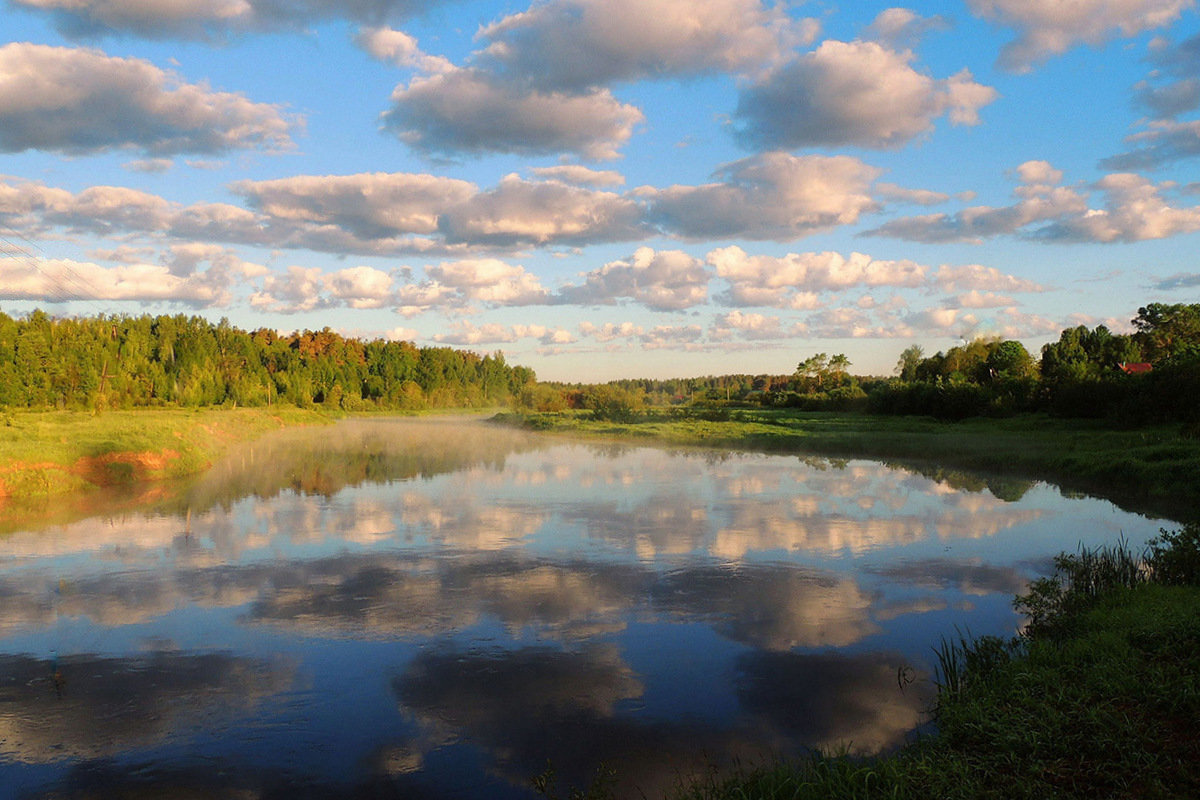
1154	469
49	453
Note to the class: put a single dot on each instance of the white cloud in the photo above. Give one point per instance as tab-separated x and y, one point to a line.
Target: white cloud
371	205
467	110
1163	142
976	277
902	27
796	280
399	48
300	289
518	211
769	196
921	197
467	333
209	19
62	280
666	280
858	93
749	326
579	175
1047	29
490	280
1134	210
977	299
580	44
1040	200
80	101
361	287
610	331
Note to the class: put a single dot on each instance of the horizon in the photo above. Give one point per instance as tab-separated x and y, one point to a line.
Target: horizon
638	189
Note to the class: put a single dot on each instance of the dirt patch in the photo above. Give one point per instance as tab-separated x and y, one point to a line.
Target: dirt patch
112	468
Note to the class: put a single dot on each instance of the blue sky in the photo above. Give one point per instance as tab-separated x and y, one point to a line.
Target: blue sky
606	188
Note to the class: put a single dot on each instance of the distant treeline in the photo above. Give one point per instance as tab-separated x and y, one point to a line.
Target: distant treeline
1150	375
128	362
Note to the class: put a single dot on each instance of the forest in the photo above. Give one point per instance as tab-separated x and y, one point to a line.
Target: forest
114	362
1149	375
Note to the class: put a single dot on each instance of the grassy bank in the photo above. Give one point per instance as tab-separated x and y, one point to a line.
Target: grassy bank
51	453
1152	468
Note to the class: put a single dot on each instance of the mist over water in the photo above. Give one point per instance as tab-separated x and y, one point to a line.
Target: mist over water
442	608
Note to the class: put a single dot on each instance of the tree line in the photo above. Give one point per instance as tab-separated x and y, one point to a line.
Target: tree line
130	362
1088	372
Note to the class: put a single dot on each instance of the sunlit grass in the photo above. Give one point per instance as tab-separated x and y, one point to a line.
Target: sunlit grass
48	452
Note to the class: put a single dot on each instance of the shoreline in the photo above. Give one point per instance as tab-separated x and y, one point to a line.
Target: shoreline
46	454
1152	470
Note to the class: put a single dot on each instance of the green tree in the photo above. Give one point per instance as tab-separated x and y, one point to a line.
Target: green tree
1168	331
910	360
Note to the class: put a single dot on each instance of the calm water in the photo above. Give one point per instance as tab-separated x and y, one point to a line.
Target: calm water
441	609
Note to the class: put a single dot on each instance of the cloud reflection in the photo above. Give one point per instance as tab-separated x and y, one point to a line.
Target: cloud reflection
103	706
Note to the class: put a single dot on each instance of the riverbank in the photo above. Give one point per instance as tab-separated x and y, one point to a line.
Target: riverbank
1152	469
49	453
1099	699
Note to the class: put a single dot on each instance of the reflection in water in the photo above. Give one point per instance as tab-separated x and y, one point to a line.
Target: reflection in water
431	608
833	701
86	706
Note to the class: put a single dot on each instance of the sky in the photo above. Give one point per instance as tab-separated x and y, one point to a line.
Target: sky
605	188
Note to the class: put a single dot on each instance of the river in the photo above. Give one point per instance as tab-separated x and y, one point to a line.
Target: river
446	609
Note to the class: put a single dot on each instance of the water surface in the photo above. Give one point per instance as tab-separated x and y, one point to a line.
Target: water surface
436	608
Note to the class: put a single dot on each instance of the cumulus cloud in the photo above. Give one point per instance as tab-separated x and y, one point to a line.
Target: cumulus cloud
467	333
579	175
371	214
796	280
467	110
210	19
299	289
976	277
490	280
854	93
1164	141
64	280
901	27
1049	29
769	196
371	205
666	280
750	326
361	287
921	197
1180	280
79	101
399	48
610	331
1134	210
579	44
518	211
1040	200
1170	100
